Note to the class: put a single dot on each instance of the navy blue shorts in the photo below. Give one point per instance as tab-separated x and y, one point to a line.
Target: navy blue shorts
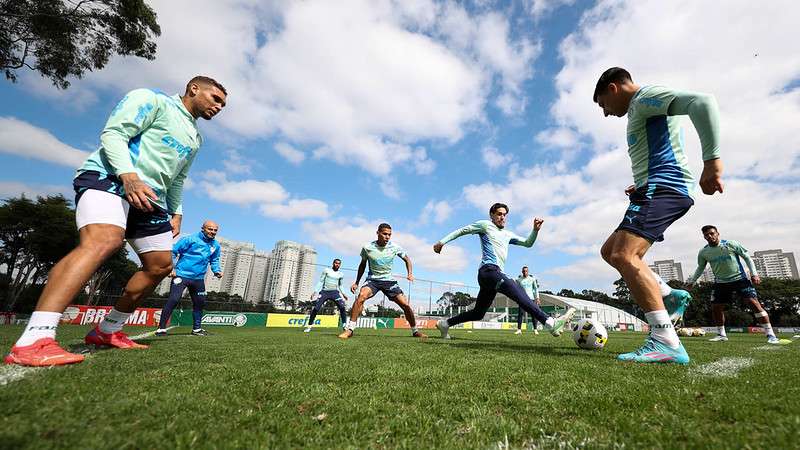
139	223
324	296
652	210
390	288
722	293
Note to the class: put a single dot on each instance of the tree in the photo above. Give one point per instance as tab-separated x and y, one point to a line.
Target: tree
622	291
112	276
33	237
62	38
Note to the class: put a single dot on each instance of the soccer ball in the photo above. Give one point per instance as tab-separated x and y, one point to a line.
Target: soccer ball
589	334
685	332
699	332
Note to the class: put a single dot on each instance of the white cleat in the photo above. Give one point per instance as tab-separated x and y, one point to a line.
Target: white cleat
536	332
444	328
518	331
718	339
307	330
775	341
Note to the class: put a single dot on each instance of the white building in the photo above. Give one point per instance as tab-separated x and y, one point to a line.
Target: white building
234	261
775	264
290	272
668	270
257	283
707	276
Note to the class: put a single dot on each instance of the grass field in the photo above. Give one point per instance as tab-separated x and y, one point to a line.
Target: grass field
279	388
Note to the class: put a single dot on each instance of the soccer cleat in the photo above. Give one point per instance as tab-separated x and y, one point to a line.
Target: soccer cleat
161	332
419	334
796	336
307	330
444	328
117	339
676	303
719	338
346	334
535	331
775	341
518	331
654	351
199	332
43	352
561	321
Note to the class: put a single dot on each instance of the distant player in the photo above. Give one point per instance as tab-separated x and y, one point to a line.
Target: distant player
530	285
130	188
191	257
662	191
380	254
329	287
725	257
495	240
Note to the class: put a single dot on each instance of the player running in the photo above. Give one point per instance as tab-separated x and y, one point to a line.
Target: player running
495	240
329	287
530	285
725	257
662	191
130	188
193	254
380	255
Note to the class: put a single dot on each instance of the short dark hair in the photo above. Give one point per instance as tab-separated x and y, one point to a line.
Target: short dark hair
612	75
497	206
208	81
708	227
384	225
524	267
337	259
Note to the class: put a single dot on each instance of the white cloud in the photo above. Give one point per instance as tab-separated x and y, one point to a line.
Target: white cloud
493	158
235	163
558	137
10	189
296	209
290	153
347	236
541	8
22	139
436	212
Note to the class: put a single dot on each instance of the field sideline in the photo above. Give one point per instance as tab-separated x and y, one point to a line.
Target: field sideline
279	388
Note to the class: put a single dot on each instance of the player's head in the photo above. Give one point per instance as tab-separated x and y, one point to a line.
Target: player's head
336	264
524	271
210	229
498	213
384	233
711	235
205	97
614	91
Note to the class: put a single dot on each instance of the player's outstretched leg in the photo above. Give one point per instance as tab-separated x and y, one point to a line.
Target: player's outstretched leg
482	303
675	300
513	291
718	314
175	292
363	295
402	302
314	311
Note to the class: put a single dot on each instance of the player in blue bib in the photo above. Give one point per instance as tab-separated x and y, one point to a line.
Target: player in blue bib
329	287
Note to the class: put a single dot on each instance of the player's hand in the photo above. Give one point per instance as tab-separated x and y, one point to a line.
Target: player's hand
756	279
629	190
353	287
176	224
537	223
437	247
137	192
218	274
711	178
410	277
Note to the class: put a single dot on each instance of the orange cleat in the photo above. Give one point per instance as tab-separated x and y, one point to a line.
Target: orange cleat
43	352
346	334
419	334
117	339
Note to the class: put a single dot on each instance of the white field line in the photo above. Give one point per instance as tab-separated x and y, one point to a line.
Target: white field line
148	334
725	367
12	372
769	347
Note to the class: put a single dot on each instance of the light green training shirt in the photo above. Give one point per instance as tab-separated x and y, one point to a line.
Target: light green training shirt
725	262
153	135
381	259
530	284
494	241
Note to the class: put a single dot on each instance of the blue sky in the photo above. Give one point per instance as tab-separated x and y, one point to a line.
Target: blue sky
423	113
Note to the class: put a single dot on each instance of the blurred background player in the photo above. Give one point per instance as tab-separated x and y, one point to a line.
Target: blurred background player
329	287
725	257
380	255
530	285
130	188
191	257
495	239
662	192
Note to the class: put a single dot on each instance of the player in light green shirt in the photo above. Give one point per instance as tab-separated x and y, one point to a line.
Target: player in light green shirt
530	285
662	192
725	258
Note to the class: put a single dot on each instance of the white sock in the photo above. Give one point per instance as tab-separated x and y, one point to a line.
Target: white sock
662	286
42	324
661	328
113	321
768	329
550	322
351	325
414	330
721	331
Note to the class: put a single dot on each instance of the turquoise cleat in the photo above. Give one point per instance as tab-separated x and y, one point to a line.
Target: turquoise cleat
676	303
654	351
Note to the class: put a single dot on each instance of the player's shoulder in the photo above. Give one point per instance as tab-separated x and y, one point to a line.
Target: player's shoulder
483	223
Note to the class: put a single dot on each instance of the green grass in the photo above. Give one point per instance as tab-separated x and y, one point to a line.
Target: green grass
279	388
